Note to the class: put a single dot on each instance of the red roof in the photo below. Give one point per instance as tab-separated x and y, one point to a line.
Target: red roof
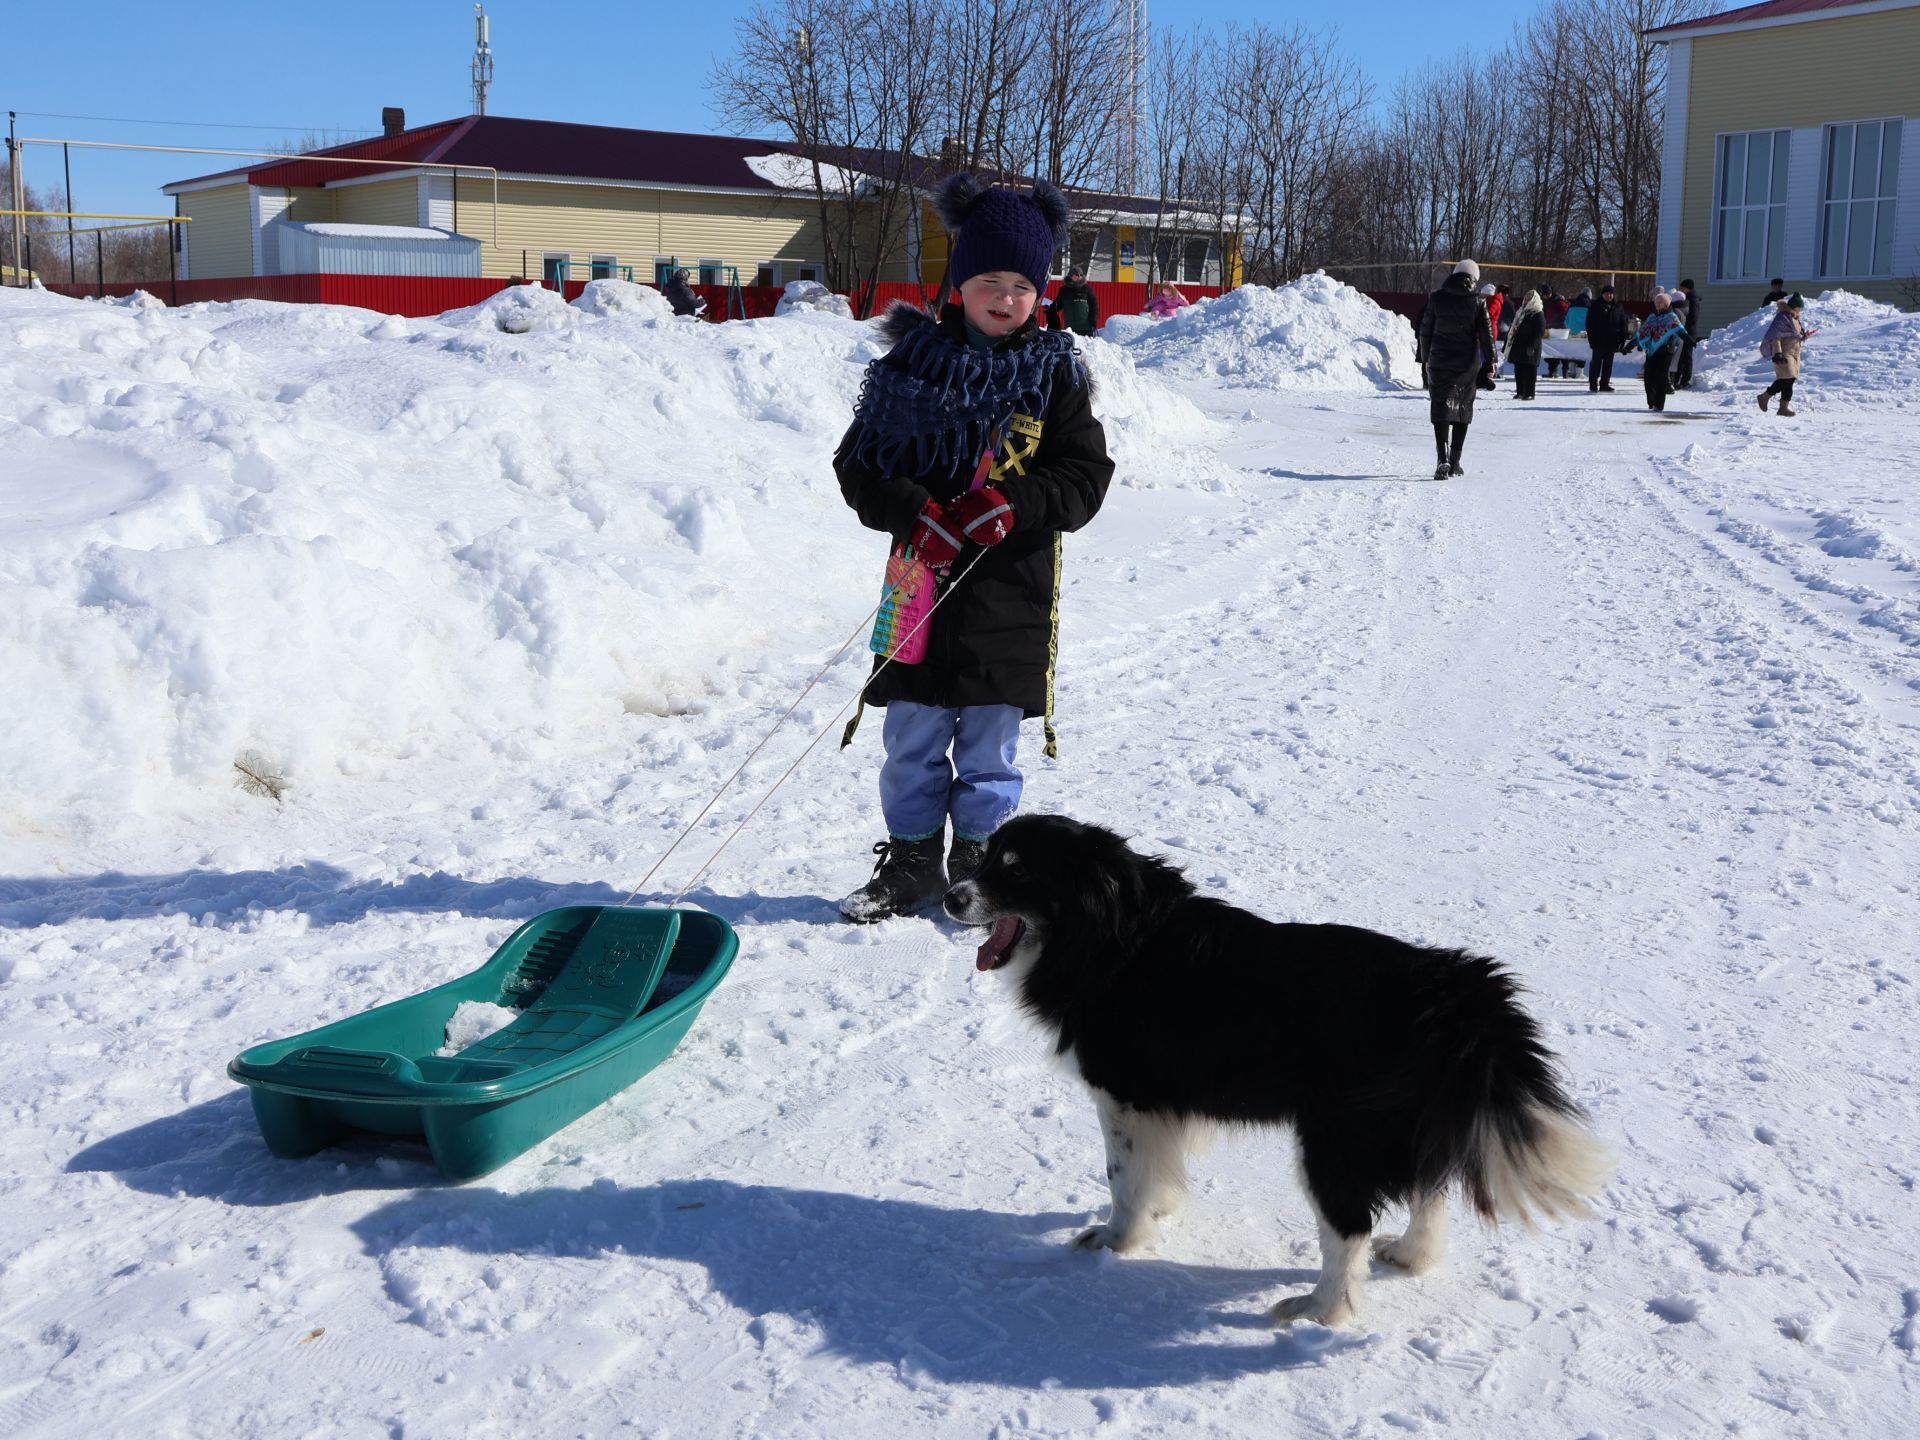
596	152
1765	10
535	147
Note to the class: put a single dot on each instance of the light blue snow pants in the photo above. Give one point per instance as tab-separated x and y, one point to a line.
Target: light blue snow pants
920	787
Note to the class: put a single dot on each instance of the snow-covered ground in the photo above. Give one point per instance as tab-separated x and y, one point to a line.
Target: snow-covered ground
502	598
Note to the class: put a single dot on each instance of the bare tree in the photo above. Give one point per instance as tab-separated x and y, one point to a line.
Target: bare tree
1300	102
851	88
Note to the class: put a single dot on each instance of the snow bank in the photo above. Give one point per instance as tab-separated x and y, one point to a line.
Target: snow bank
382	553
1866	356
1311	334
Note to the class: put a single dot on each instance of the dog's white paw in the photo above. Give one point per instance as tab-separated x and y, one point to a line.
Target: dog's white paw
1406	1253
1310	1307
1106	1237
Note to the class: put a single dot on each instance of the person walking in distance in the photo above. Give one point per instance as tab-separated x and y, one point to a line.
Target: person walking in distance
1659	338
1687	303
1456	337
1782	344
1608	332
1524	344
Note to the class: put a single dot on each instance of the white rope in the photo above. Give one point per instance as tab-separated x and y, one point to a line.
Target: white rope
693	824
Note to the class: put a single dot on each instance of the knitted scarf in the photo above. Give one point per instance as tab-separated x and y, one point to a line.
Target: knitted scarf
930	406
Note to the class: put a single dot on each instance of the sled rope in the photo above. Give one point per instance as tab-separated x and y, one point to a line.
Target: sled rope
864	627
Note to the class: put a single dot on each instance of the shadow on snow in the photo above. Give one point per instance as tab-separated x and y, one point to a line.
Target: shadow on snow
960	1295
328	895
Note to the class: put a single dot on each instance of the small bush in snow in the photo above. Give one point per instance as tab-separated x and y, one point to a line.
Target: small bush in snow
257	775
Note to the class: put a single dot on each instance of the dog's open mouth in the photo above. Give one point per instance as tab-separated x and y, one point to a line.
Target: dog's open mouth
1007	931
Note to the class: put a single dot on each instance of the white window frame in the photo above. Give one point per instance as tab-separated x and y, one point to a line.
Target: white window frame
1885	202
772	267
610	263
718	267
809	272
1772	211
663	268
546	255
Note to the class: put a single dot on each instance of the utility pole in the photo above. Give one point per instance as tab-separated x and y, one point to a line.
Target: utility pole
13	172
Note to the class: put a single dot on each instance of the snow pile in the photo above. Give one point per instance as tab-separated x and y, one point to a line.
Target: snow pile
624	297
1866	356
1311	334
1143	418
473	1021
517	310
138	300
372	553
812	295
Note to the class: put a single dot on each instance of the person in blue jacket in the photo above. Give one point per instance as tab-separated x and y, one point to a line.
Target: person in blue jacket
1660	337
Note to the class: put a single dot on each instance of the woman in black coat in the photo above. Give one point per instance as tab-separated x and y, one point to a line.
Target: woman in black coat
1524	343
1456	347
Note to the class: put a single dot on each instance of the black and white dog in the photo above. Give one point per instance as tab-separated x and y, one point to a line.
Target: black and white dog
1405	1072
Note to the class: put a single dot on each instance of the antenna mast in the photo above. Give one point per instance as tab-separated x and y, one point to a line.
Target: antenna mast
482	61
1132	15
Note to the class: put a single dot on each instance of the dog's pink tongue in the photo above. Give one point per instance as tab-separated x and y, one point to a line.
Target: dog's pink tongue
993	954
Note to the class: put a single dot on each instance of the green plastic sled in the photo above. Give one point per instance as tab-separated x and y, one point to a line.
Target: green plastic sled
605	993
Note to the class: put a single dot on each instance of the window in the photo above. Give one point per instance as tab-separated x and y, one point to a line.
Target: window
1101	266
1164	267
712	272
809	272
554	266
1863	168
1081	244
663	268
1750	204
1195	262
767	273
603	267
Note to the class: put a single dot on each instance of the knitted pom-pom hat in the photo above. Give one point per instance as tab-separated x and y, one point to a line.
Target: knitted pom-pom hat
1468	268
999	229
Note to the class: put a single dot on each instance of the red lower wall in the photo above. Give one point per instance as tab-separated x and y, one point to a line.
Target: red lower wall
423	295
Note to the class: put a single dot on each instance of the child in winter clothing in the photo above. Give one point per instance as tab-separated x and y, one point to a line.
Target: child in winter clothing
1660	336
974	441
1781	344
1166	300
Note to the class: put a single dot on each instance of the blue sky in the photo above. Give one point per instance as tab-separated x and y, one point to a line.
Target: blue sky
295	68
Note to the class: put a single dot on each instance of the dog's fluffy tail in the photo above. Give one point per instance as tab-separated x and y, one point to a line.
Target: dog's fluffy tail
1540	1161
1497	1120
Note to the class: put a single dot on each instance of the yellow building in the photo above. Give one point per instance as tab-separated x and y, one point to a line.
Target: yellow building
1792	150
551	200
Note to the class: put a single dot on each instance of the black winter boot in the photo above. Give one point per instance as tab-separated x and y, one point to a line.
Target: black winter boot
907	876
963	860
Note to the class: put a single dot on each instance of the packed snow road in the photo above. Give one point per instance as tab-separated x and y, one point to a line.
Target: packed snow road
1632	705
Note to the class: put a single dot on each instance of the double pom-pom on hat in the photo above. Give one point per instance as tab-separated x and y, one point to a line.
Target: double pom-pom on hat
1000	229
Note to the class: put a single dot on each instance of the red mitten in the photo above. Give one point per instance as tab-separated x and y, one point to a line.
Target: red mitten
935	538
984	516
